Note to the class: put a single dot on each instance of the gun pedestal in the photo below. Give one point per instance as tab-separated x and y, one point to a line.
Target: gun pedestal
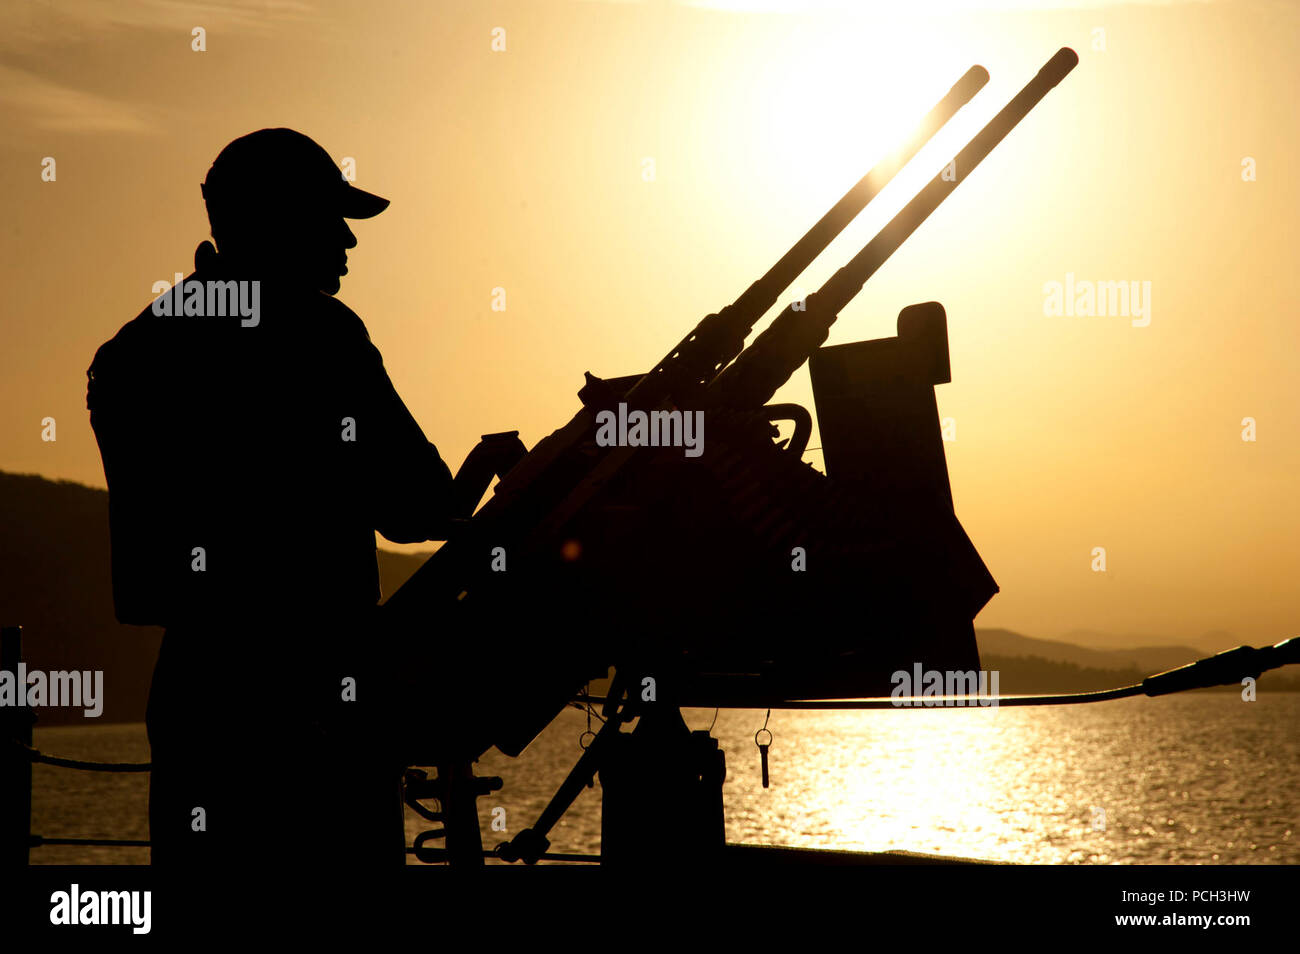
662	800
661	789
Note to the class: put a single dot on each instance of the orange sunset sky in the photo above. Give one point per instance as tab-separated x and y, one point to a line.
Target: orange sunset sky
523	169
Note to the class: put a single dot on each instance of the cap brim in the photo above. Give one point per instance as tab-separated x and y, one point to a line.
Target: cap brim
359	204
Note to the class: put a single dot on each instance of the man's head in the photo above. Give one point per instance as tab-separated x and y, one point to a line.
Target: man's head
277	204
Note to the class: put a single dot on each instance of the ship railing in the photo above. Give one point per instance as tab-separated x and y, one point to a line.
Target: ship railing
18	755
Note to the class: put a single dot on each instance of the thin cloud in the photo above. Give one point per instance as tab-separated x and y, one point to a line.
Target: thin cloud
25	25
34	103
42	89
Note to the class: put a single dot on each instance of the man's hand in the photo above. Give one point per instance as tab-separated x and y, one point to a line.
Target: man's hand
493	457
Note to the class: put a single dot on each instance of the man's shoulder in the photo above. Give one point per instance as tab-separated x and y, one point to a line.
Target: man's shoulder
149	343
149	330
339	318
131	343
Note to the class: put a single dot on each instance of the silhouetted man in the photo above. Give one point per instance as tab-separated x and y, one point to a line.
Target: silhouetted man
253	444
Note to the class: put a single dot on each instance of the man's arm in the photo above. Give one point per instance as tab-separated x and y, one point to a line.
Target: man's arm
410	487
414	495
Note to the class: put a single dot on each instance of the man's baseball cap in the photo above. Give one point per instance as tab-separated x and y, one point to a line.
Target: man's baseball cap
281	168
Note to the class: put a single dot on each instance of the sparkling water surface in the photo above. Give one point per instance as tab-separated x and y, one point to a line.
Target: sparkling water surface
1202	778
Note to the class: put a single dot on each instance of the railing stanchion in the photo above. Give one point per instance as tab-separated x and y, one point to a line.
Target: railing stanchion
15	765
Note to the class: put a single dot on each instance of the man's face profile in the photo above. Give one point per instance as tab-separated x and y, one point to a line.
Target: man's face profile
318	250
303	246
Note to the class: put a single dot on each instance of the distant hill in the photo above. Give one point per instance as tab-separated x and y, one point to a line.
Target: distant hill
1149	659
1212	641
1026	675
1028	665
396	568
55	582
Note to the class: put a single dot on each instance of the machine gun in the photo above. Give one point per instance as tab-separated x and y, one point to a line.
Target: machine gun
738	576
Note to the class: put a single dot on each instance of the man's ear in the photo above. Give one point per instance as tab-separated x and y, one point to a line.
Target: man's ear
205	257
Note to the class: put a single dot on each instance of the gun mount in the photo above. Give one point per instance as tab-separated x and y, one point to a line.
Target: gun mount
736	576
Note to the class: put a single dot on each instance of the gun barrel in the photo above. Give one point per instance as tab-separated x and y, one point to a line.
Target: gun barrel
795	333
840	289
763	294
717	339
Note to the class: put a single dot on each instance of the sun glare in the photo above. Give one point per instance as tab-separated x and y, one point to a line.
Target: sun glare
824	120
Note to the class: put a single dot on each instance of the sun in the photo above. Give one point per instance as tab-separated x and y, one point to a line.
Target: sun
853	104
